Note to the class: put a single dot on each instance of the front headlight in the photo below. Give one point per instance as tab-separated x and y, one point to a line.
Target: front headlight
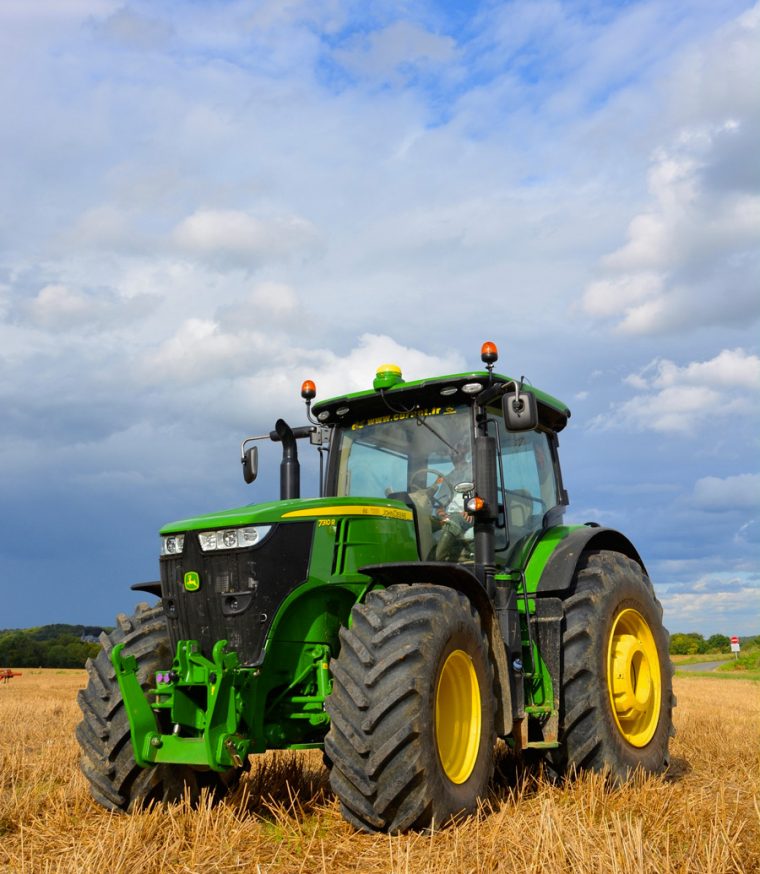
232	538
172	544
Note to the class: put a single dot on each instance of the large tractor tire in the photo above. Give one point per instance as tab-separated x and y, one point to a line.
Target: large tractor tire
411	740
616	696
107	761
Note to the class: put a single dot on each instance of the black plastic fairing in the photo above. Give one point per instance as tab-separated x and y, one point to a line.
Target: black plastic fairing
560	569
441	573
240	589
152	588
470	584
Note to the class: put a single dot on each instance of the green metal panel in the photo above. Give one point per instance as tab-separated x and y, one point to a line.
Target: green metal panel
546	545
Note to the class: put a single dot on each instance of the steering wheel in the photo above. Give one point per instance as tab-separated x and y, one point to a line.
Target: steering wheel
441	492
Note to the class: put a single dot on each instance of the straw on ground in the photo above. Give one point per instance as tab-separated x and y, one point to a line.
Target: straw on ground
702	817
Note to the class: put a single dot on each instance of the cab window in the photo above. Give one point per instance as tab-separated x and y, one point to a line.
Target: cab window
421	459
531	489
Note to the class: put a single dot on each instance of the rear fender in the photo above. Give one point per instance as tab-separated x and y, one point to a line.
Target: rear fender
558	573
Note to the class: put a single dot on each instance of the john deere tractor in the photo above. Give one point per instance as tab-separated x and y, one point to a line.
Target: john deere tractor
428	602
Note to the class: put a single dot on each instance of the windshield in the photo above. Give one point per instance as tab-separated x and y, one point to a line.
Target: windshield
405	452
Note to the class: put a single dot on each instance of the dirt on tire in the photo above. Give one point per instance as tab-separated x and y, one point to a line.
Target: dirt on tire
386	767
606	583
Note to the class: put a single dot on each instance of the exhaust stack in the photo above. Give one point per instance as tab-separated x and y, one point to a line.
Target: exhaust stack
290	468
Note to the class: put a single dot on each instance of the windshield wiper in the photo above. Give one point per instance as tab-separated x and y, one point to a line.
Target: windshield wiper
421	421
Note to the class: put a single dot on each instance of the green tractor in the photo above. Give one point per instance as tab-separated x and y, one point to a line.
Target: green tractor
430	601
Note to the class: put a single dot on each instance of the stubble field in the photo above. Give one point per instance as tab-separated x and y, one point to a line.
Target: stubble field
704	816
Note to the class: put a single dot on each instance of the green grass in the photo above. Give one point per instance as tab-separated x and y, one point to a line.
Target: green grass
719	675
746	667
695	659
748	663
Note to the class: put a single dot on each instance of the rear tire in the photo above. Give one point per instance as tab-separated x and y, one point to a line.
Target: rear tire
116	781
617	697
411	739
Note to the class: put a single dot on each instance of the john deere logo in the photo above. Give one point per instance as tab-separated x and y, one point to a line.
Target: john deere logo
192	581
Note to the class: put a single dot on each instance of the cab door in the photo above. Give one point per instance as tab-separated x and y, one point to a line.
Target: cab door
531	489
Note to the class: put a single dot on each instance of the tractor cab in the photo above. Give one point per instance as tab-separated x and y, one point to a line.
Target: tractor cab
442	447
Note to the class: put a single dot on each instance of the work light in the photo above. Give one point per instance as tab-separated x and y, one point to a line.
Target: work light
173	544
232	538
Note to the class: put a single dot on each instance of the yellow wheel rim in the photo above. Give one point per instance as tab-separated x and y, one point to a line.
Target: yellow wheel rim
457	716
633	678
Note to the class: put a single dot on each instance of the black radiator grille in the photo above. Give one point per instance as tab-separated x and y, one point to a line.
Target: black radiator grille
240	589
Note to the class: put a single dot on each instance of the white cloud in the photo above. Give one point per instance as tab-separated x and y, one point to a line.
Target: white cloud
675	398
128	29
394	51
57	308
267	307
748	533
691	258
101	227
225	372
276	383
605	297
275	298
738	492
731	368
688	262
731	606
356	370
241	237
199	352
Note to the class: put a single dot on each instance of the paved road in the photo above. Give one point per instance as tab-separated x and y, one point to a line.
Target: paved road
701	666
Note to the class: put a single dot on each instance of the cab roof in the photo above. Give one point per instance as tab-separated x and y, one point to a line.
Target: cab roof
433	391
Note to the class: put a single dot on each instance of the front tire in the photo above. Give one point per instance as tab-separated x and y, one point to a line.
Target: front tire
616	697
116	781
412	737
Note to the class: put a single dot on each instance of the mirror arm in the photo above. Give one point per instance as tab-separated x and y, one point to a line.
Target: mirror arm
251	440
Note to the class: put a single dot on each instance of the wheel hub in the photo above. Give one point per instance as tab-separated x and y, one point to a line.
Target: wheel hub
633	677
457	716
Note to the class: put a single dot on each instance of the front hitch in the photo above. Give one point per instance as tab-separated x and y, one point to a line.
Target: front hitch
199	698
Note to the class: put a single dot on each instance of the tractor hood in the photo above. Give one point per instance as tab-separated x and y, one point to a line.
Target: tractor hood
291	511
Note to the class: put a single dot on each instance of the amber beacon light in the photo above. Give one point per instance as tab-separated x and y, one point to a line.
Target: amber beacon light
308	390
489	354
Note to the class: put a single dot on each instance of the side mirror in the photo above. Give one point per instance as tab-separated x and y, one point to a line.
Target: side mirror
250	463
520	410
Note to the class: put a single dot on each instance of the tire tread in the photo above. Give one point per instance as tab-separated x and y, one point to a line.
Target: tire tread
375	742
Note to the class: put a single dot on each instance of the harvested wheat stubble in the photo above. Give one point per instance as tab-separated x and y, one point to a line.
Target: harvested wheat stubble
702	817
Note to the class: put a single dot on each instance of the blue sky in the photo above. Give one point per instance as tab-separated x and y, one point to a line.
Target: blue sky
202	204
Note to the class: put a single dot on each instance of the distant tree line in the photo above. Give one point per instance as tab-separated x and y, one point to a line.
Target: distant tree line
69	646
49	646
695	644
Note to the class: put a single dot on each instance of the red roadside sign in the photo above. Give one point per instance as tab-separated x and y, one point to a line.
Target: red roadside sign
734	639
